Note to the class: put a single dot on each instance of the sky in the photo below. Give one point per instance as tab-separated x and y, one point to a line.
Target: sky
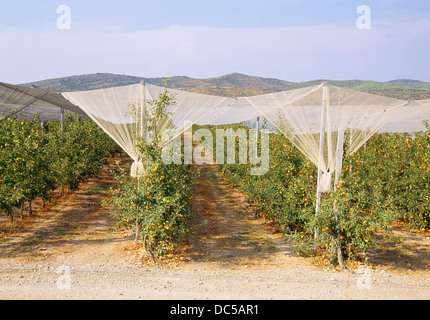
294	40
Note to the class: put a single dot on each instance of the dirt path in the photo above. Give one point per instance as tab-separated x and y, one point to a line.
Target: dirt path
70	251
230	236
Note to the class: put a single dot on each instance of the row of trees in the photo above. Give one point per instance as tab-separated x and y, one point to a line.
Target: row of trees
385	182
37	158
157	203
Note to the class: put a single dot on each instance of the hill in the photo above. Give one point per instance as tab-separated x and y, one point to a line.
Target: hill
235	84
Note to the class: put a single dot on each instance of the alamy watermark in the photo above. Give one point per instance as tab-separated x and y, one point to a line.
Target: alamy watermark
364	280
64	21
364	21
64	281
231	147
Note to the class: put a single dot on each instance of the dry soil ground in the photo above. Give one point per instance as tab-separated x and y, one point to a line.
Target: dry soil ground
70	250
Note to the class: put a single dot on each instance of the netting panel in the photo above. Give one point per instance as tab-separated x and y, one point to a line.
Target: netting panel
25	103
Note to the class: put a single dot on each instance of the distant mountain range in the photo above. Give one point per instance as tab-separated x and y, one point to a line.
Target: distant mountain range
234	84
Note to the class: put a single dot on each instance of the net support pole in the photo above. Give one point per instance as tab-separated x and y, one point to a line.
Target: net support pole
62	135
321	151
255	152
62	119
141	128
339	161
143	118
339	155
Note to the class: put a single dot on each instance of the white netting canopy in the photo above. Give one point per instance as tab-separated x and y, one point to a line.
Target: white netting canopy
316	119
319	120
25	102
121	111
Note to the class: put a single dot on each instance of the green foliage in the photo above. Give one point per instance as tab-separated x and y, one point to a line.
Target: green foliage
386	181
397	167
158	201
24	164
158	117
80	150
36	158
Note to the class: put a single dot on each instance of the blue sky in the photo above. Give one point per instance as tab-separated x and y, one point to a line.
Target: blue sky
294	40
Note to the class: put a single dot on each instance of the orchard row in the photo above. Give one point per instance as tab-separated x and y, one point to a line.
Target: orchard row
37	158
386	181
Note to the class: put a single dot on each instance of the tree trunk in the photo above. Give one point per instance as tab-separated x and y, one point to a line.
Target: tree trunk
136	234
337	240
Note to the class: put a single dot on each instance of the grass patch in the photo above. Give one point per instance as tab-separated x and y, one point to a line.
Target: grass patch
38	237
98	189
212	175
